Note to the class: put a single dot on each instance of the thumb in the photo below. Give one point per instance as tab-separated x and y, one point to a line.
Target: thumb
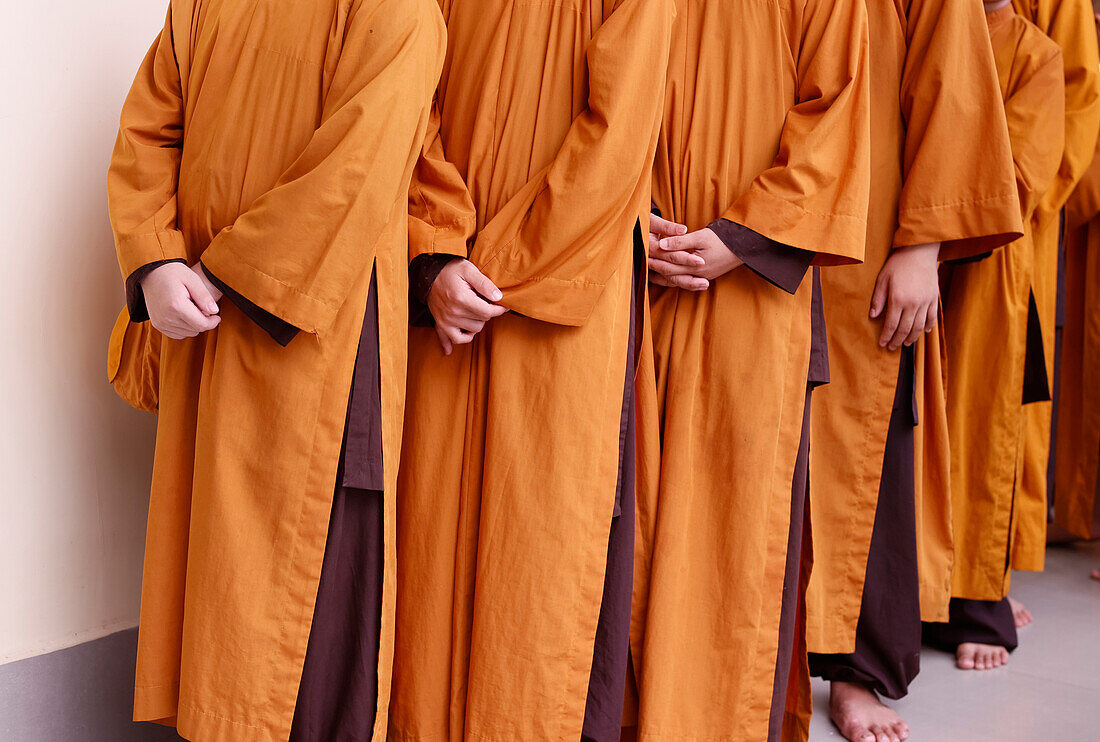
200	295
881	293
480	283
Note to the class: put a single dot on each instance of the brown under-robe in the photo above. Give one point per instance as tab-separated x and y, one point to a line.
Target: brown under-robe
976	621
888	635
785	267
338	694
794	583
603	712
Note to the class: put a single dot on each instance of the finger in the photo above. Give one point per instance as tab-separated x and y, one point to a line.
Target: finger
199	294
183	313
878	297
664	227
684	242
458	337
480	283
933	317
920	317
905	326
680	257
444	341
890	326
472	306
670	269
690	283
472	326
654	243
660	280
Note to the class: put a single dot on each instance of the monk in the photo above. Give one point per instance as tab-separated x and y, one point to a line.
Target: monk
258	194
761	170
989	381
1077	455
994	536
1069	24
934	196
515	518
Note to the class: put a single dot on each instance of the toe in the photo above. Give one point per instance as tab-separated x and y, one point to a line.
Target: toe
965	657
859	733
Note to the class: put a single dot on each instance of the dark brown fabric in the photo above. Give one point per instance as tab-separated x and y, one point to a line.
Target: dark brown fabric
363	444
135	297
778	264
281	331
974	621
423	270
819	341
1036	384
792	584
338	696
888	636
603	711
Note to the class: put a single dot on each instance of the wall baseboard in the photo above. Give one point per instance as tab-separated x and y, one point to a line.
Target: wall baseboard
80	694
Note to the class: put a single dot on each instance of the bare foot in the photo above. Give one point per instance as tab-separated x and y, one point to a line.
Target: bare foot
1095	574
861	717
1020	615
980	656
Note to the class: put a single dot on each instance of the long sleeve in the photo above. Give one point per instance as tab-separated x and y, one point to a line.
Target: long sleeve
442	218
1036	114
554	246
1070	24
781	265
144	174
953	191
815	195
1084	205
299	248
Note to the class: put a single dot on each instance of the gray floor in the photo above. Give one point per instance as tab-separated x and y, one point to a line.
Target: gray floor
1050	689
82	694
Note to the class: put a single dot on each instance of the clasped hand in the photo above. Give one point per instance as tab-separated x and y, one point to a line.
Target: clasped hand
181	301
460	301
686	260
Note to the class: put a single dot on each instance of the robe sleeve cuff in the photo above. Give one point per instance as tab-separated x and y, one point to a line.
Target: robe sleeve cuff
423	270
138	250
135	297
781	265
281	331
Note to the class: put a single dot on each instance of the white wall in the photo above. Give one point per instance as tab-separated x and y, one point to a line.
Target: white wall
74	460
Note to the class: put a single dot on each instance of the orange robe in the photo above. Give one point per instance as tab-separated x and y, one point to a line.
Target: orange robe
276	146
766	125
547	113
1077	455
986	316
929	184
1070	24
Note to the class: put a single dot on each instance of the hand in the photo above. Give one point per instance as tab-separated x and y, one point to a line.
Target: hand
672	269
692	260
457	304
179	301
908	288
215	292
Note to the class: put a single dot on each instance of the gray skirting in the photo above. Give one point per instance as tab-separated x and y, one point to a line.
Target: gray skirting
81	694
